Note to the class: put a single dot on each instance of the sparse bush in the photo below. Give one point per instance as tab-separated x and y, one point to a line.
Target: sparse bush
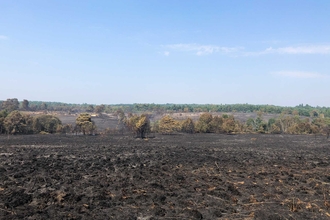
229	125
155	127
203	124
64	129
274	129
188	126
85	124
140	125
216	124
167	125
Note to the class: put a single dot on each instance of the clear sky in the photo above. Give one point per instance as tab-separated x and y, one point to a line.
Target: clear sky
166	51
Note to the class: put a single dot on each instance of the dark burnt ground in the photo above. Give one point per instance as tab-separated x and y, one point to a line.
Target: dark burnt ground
205	176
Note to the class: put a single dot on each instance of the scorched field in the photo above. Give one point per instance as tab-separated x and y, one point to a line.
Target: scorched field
200	176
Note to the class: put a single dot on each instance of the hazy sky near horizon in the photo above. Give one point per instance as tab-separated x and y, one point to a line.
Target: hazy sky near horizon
166	51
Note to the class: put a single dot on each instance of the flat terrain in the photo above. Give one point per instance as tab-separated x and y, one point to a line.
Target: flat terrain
201	176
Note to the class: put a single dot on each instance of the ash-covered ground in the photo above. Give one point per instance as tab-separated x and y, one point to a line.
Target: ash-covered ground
183	176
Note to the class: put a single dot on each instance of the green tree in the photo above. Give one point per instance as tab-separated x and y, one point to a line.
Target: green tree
85	124
271	121
251	125
261	126
46	123
17	123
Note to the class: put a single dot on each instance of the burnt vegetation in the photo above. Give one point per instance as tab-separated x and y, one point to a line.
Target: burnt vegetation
163	161
200	176
142	119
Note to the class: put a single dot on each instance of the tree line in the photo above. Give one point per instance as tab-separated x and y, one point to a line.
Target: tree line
226	124
25	105
16	122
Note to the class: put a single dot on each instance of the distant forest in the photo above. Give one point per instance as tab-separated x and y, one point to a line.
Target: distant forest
25	105
136	118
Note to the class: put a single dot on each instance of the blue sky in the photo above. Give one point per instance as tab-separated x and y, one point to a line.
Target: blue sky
219	52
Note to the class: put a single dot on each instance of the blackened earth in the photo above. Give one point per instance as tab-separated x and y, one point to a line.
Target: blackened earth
200	176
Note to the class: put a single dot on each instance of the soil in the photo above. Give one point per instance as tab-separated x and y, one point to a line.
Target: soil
200	176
